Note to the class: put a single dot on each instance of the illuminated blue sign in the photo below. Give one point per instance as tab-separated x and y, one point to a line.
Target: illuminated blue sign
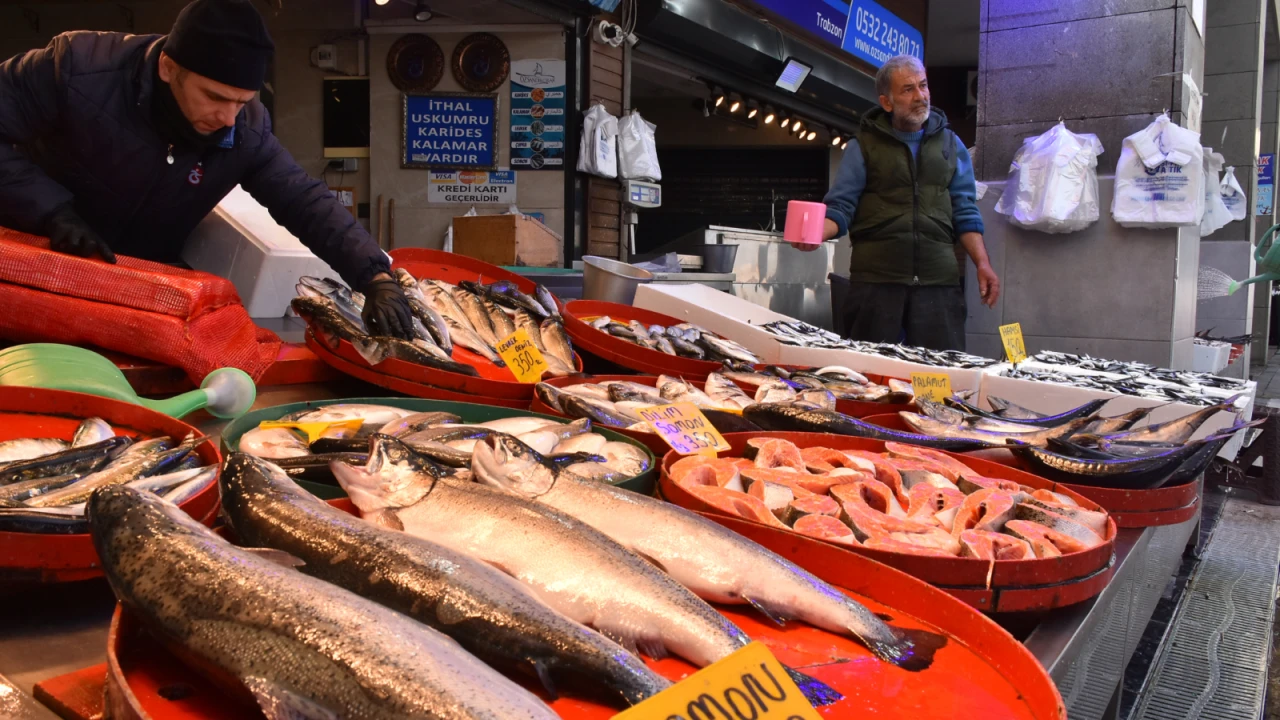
861	28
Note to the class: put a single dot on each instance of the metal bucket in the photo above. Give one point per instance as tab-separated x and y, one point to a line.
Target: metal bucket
611	280
718	258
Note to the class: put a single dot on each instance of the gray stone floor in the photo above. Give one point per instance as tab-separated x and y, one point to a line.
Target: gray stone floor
1268	379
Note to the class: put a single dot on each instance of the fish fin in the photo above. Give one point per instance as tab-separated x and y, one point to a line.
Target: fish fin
279	703
814	690
279	557
372	351
653	561
652	647
544	676
778	619
628	644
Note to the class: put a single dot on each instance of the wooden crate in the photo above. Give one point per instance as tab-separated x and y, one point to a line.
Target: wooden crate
507	240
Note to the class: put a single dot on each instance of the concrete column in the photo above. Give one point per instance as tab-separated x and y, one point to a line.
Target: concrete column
1107	67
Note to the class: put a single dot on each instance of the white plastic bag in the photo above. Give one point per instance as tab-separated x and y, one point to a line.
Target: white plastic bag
1160	177
1233	195
1216	213
598	154
637	149
448	234
1053	182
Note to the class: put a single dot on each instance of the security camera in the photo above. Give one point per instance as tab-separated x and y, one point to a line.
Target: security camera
609	34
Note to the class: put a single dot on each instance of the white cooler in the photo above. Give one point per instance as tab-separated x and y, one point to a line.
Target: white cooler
240	241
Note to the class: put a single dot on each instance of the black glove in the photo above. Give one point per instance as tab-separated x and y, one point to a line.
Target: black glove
386	311
70	234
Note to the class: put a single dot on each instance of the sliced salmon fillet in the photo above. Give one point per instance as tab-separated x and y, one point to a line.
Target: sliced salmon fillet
699	475
726	471
872	493
753	475
925	501
935	538
903	464
1058	523
1044	541
1052	497
775	496
866	522
890	545
822	484
779	454
1095	520
916	452
970	484
812	505
738	504
985	545
985	510
821	460
825	527
885	471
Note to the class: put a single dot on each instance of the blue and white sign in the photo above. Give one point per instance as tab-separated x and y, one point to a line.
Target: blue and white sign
538	93
861	28
1266	184
450	130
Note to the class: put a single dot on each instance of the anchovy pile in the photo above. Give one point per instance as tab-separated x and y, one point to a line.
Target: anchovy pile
1126	378
1083	447
777	384
442	437
44	482
471	315
802	334
684	340
617	404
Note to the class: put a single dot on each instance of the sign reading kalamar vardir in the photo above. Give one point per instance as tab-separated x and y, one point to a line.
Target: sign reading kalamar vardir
450	130
861	28
472	187
537	114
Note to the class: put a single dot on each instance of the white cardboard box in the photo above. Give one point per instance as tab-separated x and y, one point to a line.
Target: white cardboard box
737	319
1211	358
240	241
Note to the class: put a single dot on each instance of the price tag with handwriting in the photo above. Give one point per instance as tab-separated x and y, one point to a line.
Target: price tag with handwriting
1014	348
685	428
931	386
523	357
750	683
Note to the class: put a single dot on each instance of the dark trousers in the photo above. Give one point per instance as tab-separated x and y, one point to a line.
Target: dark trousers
926	316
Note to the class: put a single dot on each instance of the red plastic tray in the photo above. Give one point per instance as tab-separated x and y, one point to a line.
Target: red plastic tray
627	354
1040	581
981	672
1129	508
453	269
34	412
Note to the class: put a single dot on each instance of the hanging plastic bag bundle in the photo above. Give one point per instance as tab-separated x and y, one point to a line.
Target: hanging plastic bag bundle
1160	178
1216	213
1233	195
638	149
1053	182
599	148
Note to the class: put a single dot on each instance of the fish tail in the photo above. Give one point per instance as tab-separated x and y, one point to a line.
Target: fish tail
814	690
912	650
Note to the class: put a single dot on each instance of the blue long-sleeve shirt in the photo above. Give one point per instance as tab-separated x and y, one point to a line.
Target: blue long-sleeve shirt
851	180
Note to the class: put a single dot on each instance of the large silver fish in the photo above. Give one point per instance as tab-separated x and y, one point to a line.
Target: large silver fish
557	342
142	459
302	647
486	611
570	566
715	563
477	315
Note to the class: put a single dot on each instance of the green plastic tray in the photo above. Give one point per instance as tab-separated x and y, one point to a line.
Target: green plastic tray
644	483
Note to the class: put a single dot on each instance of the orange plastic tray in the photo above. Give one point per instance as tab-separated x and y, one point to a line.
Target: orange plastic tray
624	353
1041	584
1171	505
35	412
981	672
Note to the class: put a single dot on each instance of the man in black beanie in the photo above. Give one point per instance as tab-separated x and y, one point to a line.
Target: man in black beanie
124	143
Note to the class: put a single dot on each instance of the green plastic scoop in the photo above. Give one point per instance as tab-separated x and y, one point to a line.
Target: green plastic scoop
225	393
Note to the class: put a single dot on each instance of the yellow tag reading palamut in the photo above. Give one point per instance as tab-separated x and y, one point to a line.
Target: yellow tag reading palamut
931	386
1014	348
313	430
750	683
523	357
685	428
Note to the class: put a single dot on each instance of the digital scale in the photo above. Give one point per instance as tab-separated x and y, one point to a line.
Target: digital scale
638	194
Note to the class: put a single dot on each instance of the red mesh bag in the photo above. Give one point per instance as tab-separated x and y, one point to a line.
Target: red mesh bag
189	319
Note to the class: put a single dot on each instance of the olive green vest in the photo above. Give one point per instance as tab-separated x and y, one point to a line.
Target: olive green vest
902	231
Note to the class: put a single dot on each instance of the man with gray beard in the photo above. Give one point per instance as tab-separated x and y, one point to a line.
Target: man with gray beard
906	196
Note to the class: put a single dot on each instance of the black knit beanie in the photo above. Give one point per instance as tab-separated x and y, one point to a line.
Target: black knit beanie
223	40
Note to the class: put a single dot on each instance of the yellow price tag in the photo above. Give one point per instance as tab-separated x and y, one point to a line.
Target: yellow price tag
313	430
931	386
523	357
750	683
685	428
1014	348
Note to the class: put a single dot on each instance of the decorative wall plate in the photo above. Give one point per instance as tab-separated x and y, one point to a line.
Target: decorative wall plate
415	63
481	62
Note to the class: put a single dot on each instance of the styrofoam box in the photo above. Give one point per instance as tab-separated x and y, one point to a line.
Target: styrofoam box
1052	399
737	319
1211	358
240	241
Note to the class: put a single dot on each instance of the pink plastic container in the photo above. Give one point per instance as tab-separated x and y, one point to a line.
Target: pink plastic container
805	222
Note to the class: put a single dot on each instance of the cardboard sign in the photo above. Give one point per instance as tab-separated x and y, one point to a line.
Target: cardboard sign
750	683
685	428
523	357
1014	348
313	430
931	386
